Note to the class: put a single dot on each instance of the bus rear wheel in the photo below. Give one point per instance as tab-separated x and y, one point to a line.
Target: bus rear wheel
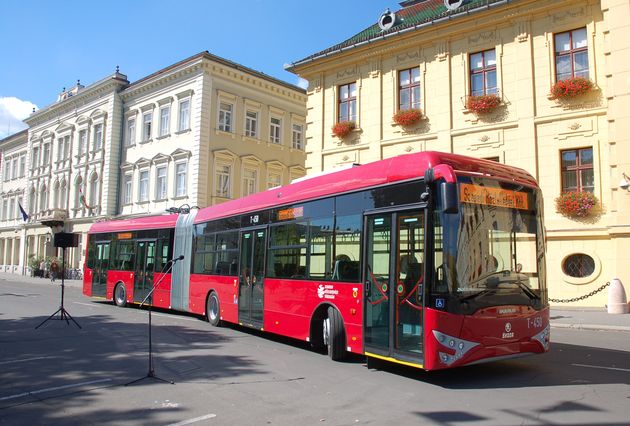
120	295
334	335
213	310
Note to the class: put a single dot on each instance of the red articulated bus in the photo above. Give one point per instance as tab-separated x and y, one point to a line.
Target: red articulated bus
431	260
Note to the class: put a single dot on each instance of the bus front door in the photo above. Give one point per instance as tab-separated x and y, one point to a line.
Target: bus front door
251	277
144	269
101	264
393	286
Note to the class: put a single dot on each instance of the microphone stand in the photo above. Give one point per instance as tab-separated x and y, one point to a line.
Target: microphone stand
151	373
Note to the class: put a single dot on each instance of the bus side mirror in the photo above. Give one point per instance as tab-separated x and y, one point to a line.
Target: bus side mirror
448	195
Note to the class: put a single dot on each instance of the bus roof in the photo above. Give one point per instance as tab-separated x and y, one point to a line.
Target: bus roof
137	223
400	168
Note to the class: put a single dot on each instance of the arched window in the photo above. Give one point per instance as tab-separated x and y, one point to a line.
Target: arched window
93	200
32	199
77	192
56	195
63	195
43	198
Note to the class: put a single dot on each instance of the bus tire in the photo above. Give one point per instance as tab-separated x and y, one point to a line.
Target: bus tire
334	335
213	309
120	295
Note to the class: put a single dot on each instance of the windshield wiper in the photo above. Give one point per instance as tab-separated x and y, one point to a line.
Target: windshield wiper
478	294
528	291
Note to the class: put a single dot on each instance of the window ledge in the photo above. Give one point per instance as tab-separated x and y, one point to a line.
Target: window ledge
168	135
143	202
251	139
225	133
181	132
180	197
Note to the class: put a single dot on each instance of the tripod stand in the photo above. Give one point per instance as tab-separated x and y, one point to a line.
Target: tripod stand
63	314
151	373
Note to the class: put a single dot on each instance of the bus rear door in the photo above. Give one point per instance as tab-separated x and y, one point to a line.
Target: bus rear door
144	269
393	286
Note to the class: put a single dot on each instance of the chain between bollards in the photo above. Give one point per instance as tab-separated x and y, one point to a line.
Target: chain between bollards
576	299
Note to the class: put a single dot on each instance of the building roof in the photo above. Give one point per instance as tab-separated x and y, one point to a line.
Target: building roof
413	15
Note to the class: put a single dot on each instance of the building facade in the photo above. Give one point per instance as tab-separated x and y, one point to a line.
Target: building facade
199	132
482	74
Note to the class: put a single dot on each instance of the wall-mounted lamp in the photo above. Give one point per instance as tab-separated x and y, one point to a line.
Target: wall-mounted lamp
183	209
624	183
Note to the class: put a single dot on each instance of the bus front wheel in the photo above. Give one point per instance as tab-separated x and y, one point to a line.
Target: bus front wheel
334	335
120	295
212	310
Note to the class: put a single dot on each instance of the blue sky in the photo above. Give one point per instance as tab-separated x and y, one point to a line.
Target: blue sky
48	45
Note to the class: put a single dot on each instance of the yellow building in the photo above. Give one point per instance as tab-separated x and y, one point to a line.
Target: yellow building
481	72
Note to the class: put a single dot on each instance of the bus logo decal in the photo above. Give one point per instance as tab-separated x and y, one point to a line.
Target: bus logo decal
509	334
326	291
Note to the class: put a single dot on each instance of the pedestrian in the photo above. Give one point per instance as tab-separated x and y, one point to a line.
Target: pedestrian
42	268
54	269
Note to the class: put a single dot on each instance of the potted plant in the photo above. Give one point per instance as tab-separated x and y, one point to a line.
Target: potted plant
343	128
482	104
576	204
407	117
571	88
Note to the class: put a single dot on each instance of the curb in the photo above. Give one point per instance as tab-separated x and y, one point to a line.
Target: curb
591	327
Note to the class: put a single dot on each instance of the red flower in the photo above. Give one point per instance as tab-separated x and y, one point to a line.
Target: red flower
407	117
571	87
576	204
482	104
343	128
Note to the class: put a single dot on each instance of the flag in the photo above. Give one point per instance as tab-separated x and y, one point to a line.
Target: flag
24	214
83	200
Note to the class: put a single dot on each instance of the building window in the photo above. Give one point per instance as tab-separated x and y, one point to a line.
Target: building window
347	102
56	195
274	130
225	117
143	186
43	198
46	154
250	181
180	179
147	121
77	192
131	131
577	170
127	188
5	209
483	73
12	209
251	124
83	138
578	265
14	168
98	137
274	180
7	170
184	115
223	174
32	199
165	114
36	158
409	89
22	165
63	195
571	54
93	190
160	183
63	148
298	136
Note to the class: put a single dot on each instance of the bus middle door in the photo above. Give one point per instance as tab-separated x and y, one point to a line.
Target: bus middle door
144	269
393	286
251	277
101	264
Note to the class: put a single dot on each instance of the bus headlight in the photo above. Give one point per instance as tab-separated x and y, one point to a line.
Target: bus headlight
460	346
543	337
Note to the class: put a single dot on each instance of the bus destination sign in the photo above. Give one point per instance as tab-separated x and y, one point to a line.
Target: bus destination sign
475	194
291	213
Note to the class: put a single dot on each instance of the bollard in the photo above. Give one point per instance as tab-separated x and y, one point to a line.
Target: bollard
617	302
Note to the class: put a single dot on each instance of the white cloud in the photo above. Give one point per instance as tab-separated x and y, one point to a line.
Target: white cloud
12	112
303	83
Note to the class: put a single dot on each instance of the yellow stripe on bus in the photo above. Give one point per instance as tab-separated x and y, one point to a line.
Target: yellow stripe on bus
386	358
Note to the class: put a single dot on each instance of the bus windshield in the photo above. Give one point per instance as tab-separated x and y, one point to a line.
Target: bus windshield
491	251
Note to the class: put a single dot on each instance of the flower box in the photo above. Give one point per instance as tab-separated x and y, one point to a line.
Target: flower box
407	117
576	204
343	128
482	104
571	88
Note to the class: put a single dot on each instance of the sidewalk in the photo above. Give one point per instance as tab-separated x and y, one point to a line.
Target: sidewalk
561	316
